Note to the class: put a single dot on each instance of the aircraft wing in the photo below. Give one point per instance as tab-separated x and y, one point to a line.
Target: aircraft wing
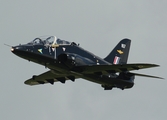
49	77
114	68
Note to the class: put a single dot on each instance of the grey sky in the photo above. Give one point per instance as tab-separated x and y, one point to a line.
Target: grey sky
98	26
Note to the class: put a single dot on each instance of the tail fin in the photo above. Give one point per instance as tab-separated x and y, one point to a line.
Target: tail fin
119	55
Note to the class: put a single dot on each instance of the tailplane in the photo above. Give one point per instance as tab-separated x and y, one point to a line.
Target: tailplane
119	55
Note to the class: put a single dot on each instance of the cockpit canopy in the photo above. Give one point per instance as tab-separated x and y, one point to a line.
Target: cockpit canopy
49	40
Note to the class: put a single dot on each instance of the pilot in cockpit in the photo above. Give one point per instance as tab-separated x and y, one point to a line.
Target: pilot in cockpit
52	41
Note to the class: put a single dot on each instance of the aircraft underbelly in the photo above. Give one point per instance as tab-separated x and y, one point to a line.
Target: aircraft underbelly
103	81
91	77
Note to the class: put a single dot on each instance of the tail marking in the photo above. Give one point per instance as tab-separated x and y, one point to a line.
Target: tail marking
116	60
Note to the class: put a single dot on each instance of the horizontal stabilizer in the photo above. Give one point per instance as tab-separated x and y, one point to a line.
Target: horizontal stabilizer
143	75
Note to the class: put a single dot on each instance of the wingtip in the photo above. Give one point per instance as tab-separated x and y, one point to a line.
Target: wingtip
28	83
152	65
156	65
161	78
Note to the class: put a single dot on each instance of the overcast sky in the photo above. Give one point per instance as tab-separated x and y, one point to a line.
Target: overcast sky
98	25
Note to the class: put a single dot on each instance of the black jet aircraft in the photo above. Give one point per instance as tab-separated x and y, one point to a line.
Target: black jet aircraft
68	61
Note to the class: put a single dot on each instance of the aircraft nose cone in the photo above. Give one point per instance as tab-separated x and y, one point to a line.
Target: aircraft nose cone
17	49
12	49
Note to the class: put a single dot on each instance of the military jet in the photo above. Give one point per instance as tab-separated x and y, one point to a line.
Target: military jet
68	61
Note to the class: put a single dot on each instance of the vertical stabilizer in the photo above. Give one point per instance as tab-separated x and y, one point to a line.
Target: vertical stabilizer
119	55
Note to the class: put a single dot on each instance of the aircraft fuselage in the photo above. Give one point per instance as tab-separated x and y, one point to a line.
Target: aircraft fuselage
64	59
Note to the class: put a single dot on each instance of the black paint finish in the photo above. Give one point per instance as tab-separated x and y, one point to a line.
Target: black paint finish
69	61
